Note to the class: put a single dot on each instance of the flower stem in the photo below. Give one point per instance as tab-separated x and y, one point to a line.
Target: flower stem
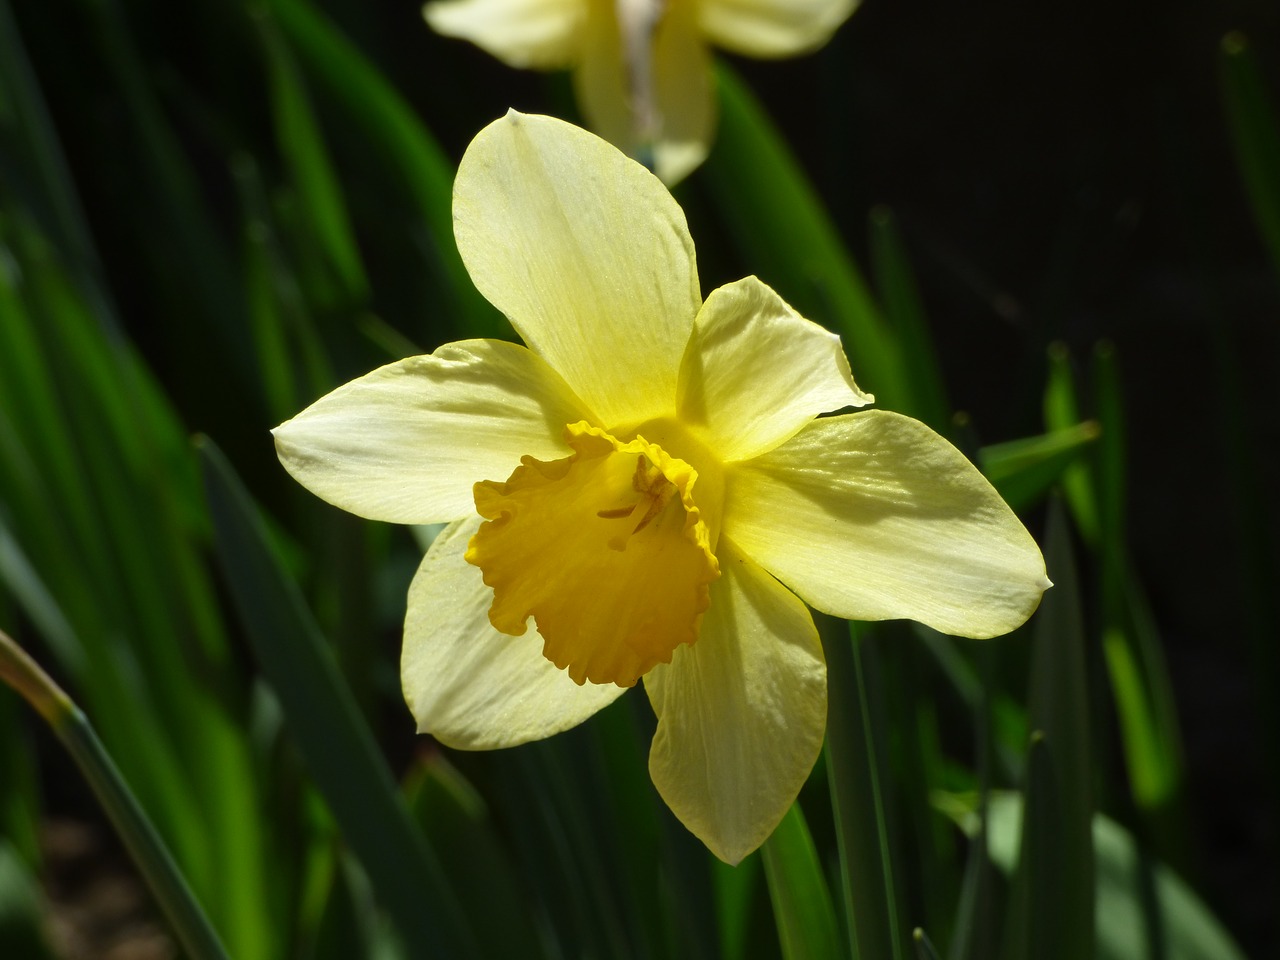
148	850
857	798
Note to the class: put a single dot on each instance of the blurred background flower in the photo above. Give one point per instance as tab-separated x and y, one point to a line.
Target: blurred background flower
642	68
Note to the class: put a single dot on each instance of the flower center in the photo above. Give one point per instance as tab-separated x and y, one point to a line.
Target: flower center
605	549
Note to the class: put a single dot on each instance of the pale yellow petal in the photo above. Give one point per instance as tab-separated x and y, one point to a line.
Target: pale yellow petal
601	83
684	98
873	516
587	254
541	34
468	685
773	28
756	372
741	713
650	94
406	442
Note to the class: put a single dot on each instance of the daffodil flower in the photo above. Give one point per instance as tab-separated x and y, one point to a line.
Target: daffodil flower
648	489
641	68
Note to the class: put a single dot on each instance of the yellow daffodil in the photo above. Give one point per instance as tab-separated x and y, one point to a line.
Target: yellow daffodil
641	68
648	489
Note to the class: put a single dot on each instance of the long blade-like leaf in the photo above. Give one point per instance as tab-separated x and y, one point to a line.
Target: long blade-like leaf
324	721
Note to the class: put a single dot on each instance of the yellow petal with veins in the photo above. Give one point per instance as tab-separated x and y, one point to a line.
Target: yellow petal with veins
605	549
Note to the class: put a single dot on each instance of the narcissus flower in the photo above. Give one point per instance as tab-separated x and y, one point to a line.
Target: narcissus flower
641	68
647	490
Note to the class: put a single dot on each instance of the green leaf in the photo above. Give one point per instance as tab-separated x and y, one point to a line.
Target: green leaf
455	819
790	241
855	765
1062	412
798	889
336	745
311	171
905	312
21	910
1024	470
1255	131
389	129
35	168
1141	903
1139	674
140	837
1052	898
924	947
100	533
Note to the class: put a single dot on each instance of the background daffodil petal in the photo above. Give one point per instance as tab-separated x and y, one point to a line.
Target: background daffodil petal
756	372
540	34
468	685
741	713
873	516
600	82
773	28
586	253
683	94
405	443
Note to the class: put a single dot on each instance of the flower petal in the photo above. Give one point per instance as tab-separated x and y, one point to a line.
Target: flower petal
873	516
756	372
644	83
605	550
601	82
587	254
468	685
741	713
406	442
773	28
683	94
542	34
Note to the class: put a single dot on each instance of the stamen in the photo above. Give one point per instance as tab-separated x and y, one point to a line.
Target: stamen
655	492
615	513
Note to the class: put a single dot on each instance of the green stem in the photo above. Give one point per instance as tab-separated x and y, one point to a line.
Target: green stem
857	801
143	842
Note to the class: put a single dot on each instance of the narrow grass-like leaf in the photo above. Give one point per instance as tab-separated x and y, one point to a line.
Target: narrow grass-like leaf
1062	412
291	357
975	929
191	269
1255	130
20	797
802	906
389	127
791	241
321	715
145	845
924	946
928	866
34	167
1130	886
302	145
1053	896
98	509
21	910
455	819
1135	658
1024	470
903	309
740	907
855	768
